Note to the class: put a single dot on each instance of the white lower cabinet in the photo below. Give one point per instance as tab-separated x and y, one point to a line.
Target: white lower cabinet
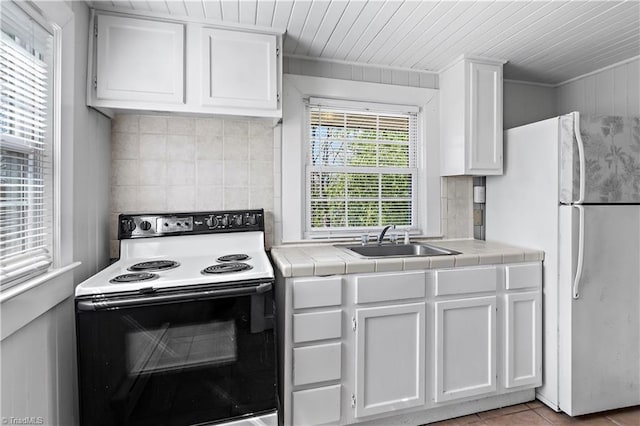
316	406
382	346
465	352
390	358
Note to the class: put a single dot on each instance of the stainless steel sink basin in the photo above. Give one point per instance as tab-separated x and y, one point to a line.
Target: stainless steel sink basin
398	250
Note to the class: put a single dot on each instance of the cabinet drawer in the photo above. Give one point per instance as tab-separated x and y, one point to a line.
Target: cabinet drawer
316	406
379	288
317	326
465	280
313	364
317	292
523	276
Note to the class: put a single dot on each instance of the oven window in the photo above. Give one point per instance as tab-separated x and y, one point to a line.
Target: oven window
175	348
176	363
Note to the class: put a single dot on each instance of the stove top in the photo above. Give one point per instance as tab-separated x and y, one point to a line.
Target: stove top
182	259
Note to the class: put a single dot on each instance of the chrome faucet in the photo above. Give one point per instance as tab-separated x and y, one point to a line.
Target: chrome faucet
384	231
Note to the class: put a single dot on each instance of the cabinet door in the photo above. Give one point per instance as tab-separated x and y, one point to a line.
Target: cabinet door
239	69
139	60
485	119
523	337
465	353
390	357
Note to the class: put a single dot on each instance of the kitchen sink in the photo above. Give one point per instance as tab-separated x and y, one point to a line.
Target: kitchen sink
398	250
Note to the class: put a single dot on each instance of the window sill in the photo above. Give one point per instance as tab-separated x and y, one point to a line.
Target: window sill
24	302
18	289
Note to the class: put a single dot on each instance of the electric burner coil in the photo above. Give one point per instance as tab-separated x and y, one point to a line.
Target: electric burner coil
134	278
236	257
154	265
226	268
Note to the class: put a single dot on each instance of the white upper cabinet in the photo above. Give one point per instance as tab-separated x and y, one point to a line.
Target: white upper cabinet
187	67
239	69
139	60
471	118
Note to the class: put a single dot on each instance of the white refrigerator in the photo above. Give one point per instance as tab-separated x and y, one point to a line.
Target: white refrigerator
571	187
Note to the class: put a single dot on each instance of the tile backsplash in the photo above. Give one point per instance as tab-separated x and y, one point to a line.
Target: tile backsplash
456	204
171	164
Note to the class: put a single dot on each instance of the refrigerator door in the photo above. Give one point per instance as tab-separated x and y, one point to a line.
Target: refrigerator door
611	166
599	341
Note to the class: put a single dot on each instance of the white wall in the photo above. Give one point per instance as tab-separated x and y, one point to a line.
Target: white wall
612	91
456	204
38	367
91	165
344	71
525	103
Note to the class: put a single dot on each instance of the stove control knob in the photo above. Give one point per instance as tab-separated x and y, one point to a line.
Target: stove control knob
128	225
238	220
212	221
252	219
145	225
225	220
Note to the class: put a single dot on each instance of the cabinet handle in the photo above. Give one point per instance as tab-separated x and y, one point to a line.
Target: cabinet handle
353	400
354	324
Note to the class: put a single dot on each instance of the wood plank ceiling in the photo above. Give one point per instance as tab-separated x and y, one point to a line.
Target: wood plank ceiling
543	41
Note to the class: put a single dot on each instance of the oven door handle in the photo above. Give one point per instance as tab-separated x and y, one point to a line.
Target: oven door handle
135	301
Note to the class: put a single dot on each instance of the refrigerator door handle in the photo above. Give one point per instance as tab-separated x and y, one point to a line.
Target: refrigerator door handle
576	280
576	131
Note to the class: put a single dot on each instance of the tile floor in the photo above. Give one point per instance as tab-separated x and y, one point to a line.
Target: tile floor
536	413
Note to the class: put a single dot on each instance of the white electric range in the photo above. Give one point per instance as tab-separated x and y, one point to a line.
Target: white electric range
179	330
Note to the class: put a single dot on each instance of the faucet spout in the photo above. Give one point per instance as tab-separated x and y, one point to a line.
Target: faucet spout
384	231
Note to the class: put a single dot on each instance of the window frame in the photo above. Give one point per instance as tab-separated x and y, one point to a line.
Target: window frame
50	179
291	223
23	302
363	108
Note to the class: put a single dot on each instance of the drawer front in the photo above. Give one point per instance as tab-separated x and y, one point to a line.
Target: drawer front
317	326
385	287
316	406
523	276
313	364
465	280
317	292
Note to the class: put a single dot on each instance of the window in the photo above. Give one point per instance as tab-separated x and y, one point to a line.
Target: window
26	188
357	101
361	168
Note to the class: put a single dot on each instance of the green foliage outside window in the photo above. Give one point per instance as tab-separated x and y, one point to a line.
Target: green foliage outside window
362	169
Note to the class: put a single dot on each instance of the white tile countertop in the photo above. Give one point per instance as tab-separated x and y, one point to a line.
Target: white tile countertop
320	259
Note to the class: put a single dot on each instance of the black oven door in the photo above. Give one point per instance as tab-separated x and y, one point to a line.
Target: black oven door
185	357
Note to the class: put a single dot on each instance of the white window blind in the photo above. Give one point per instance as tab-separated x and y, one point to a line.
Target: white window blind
361	166
25	146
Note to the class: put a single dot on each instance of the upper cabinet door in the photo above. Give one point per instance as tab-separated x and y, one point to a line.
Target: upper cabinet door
139	60
239	69
485	118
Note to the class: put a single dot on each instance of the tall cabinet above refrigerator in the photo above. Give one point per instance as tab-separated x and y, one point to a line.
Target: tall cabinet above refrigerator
571	187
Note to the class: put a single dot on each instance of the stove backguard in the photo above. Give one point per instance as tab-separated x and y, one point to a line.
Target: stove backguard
146	225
